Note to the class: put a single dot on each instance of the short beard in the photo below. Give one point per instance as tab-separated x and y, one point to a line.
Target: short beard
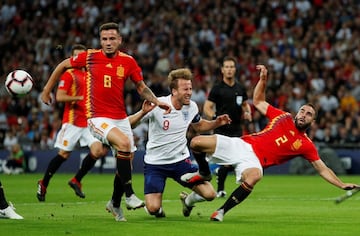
303	127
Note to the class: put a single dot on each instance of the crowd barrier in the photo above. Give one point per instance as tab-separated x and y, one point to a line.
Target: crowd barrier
37	162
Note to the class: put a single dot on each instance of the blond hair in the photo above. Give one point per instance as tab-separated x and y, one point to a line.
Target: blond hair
175	75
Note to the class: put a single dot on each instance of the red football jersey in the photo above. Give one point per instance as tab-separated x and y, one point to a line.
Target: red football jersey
106	81
281	141
73	82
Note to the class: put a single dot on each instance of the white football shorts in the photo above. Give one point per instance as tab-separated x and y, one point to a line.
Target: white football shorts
101	126
69	135
236	152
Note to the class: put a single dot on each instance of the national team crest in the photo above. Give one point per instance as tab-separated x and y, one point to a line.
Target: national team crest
185	115
239	100
104	125
297	144
120	71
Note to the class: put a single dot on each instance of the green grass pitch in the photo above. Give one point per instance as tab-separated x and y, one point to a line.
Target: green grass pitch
279	205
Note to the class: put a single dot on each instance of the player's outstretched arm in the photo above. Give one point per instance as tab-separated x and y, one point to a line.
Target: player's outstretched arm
327	174
259	91
52	81
206	125
62	96
146	108
146	93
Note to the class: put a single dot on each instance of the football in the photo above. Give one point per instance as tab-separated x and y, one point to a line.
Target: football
19	83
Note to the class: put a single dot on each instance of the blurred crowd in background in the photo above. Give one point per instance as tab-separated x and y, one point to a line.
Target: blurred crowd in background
312	50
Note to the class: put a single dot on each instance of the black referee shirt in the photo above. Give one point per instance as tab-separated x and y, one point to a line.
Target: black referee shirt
228	100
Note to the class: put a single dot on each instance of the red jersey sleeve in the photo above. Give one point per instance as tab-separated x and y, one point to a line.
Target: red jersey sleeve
66	81
273	112
135	72
79	61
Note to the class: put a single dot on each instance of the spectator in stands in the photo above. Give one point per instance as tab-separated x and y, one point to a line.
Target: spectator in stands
16	161
328	101
10	138
348	103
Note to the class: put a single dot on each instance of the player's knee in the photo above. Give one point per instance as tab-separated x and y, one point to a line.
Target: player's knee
64	154
118	139
252	176
123	144
255	178
153	209
97	151
209	196
126	144
96	155
195	144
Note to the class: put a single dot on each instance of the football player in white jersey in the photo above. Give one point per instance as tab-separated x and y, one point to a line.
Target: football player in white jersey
167	154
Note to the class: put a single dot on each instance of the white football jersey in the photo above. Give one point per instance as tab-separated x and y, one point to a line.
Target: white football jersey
167	141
